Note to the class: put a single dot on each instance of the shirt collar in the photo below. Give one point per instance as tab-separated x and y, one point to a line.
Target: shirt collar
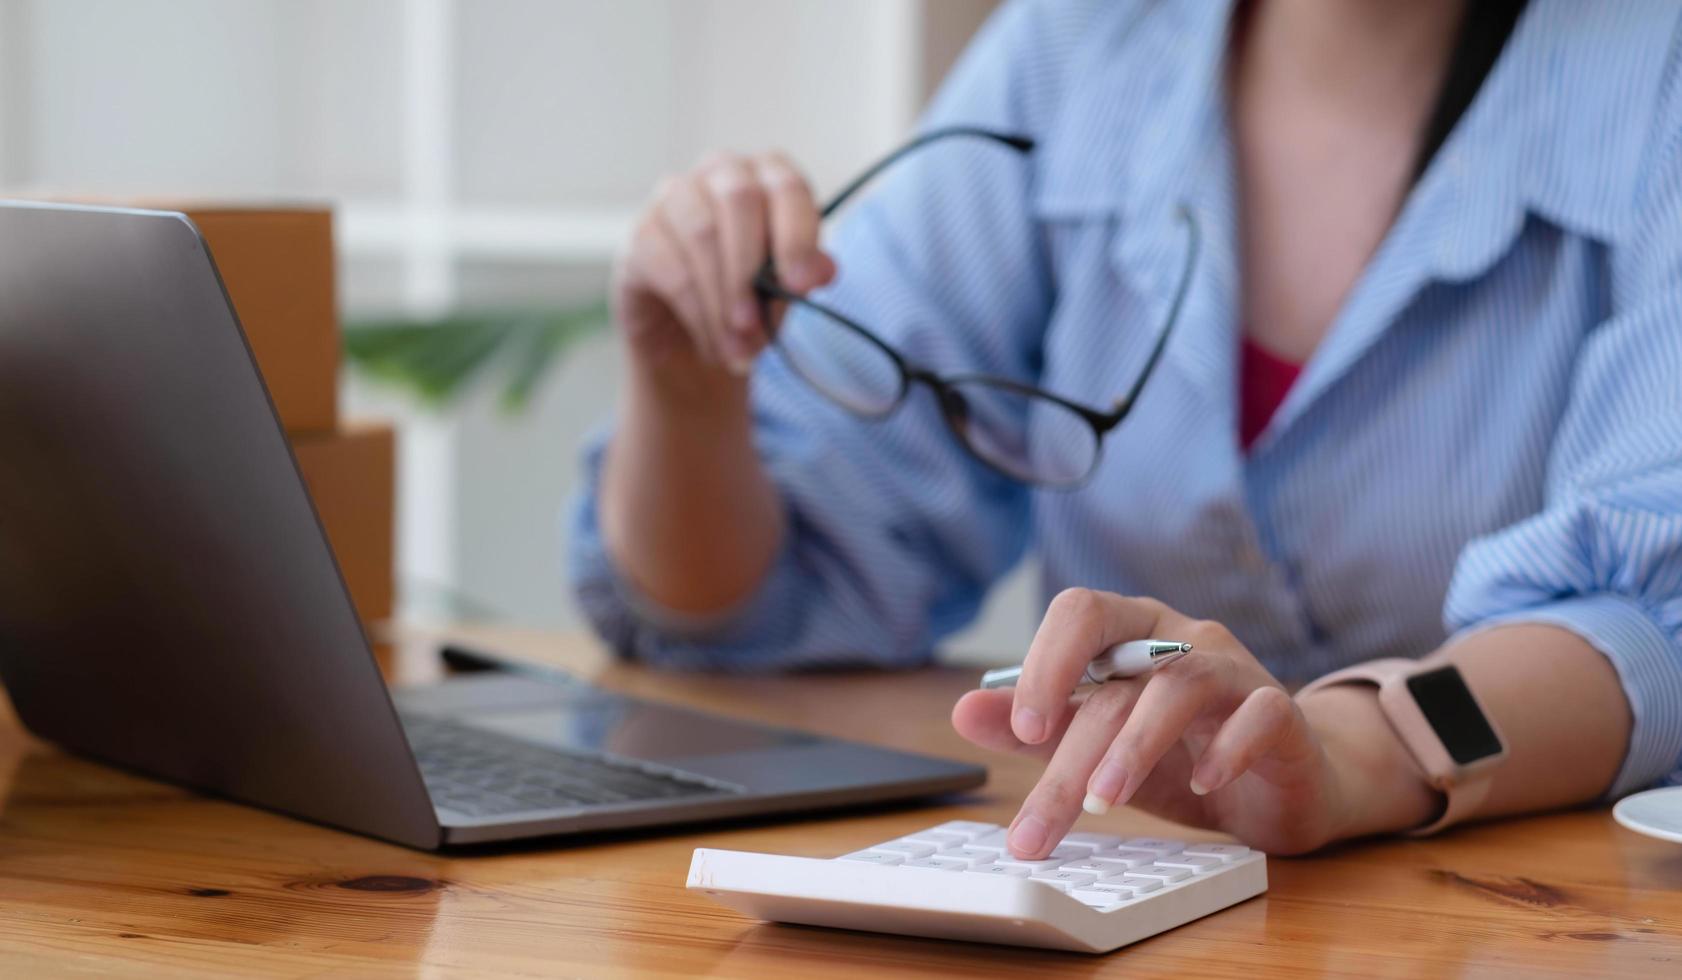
1142	92
1557	129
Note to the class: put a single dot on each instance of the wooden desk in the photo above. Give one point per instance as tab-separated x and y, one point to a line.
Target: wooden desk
105	873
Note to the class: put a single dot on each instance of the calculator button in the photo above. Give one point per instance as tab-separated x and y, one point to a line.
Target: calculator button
1156	845
912	848
1098	841
1071	852
937	864
1126	856
994	838
1098	866
1158	872
1049	864
1101	896
1072	879
1002	870
969	828
1140	886
938	838
972	855
1226	852
874	857
1192	862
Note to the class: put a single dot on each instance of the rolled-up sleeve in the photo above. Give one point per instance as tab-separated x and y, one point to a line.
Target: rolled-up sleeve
1603	558
894	533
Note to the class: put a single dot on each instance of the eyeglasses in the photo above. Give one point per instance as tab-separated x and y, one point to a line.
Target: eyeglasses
1024	432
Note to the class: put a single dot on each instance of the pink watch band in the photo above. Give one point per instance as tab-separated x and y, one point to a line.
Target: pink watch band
1463	788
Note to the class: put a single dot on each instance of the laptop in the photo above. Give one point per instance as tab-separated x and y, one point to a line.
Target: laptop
170	604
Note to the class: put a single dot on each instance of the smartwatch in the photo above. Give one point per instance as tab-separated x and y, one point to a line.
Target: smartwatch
1442	724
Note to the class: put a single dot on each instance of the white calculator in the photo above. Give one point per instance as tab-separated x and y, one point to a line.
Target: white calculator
1095	892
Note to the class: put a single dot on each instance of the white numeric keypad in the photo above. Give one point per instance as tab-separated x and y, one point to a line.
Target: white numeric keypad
1092	891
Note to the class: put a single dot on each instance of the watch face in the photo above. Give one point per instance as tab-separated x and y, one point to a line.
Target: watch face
1448	705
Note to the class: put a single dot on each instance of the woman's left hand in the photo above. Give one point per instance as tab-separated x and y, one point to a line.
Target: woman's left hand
1211	740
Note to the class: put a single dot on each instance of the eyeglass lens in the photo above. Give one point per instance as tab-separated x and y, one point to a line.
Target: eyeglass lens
840	362
1024	435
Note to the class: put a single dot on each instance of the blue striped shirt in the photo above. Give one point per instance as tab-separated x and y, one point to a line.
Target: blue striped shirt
1490	432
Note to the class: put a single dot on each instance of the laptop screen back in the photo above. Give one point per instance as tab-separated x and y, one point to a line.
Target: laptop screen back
168	601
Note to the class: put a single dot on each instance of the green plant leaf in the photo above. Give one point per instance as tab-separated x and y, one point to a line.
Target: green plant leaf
440	359
546	341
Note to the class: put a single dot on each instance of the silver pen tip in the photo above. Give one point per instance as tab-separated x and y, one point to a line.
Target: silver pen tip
1168	658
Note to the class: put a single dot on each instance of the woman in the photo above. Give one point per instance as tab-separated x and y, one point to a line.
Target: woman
1423	401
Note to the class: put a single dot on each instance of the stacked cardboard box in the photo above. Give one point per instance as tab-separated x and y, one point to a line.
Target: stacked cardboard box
277	264
351	473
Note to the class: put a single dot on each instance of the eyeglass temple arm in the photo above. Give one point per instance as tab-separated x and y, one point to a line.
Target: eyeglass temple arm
765	281
1194	244
1021	144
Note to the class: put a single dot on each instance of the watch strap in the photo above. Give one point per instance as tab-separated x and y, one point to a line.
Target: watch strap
1463	790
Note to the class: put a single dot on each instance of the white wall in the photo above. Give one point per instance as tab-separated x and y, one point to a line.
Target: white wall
480	153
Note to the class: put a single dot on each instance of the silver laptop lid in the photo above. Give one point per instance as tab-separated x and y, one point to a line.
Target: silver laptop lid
168	601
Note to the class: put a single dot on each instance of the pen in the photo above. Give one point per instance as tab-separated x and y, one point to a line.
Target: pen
1128	659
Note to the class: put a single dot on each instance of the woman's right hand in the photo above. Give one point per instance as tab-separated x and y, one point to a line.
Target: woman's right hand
683	290
687	509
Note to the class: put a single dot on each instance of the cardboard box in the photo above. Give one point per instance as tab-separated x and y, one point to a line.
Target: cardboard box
278	266
351	474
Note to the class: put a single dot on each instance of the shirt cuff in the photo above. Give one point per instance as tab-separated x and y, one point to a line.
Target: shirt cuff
1649	667
638	626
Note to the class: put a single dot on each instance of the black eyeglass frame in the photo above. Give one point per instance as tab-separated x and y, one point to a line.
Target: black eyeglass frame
769	290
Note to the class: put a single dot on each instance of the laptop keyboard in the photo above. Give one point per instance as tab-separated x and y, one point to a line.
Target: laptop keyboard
480	773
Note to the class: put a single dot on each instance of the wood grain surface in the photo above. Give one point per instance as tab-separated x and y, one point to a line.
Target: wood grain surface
104	873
